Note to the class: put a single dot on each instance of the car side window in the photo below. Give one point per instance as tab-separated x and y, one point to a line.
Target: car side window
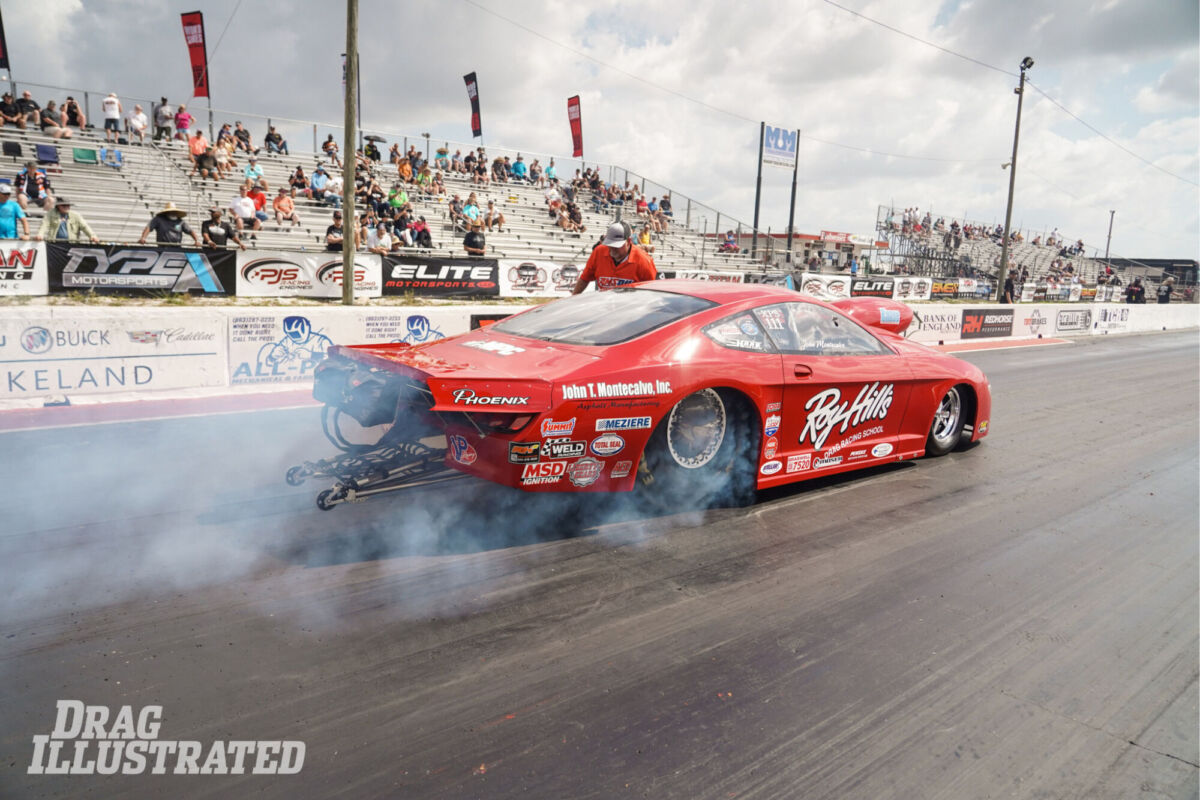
740	332
809	329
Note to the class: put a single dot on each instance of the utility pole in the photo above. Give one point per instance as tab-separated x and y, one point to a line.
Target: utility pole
762	134
792	208
349	101
1108	241
1026	63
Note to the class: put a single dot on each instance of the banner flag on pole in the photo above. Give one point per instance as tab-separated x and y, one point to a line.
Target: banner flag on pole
576	125
3	48
473	93
193	34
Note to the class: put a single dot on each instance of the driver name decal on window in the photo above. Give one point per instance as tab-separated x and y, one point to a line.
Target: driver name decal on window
827	411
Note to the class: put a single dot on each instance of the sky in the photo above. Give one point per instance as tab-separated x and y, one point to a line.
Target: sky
674	91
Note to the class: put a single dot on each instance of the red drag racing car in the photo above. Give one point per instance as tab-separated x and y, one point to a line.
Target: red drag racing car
696	388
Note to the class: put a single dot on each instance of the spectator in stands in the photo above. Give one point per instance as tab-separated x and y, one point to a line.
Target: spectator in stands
457	218
138	124
32	183
641	207
169	227
333	191
493	217
1135	293
164	115
481	173
242	140
112	109
10	213
441	158
600	202
729	245
644	239
617	263
330	148
333	234
438	186
471	210
183	123
537	175
401	226
422	236
74	114
553	199
285	208
1164	289
10	113
664	209
242	208
275	142
206	166
372	152
520	170
456	163
253	173
319	184
197	145
53	123
217	233
404	170
224	155
379	239
425	180
299	182
551	173
60	225
397	196
29	108
474	242
257	193
575	219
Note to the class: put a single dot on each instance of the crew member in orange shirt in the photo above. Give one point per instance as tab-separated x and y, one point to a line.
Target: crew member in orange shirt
617	262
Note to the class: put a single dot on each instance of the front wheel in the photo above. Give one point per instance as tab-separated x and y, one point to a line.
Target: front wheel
946	429
704	452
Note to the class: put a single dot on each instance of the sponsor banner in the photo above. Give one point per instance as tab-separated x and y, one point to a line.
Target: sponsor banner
282	274
913	289
23	268
984	323
440	277
872	287
46	352
779	147
944	289
1073	320
140	270
1033	322
576	120
934	323
537	278
193	34
833	237
1112	320
269	346
473	96
825	287
720	276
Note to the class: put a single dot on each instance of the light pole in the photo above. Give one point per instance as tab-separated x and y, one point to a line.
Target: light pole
426	135
1026	63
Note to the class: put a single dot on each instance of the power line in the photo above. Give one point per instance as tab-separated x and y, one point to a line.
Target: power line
709	106
985	65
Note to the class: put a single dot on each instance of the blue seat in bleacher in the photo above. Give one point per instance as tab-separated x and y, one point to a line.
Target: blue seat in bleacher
111	157
47	154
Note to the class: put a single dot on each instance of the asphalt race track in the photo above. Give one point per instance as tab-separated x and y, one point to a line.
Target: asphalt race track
1016	621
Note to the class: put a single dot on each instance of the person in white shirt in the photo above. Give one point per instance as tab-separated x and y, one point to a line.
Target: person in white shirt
138	123
242	207
112	116
379	239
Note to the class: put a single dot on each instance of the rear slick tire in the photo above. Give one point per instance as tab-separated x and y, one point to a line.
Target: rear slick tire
703	453
945	431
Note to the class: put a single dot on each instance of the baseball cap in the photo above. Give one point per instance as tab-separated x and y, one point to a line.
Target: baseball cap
618	234
6	188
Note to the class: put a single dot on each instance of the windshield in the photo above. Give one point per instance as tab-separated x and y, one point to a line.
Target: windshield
600	318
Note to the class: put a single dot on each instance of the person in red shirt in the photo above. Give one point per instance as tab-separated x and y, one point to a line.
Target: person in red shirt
616	262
